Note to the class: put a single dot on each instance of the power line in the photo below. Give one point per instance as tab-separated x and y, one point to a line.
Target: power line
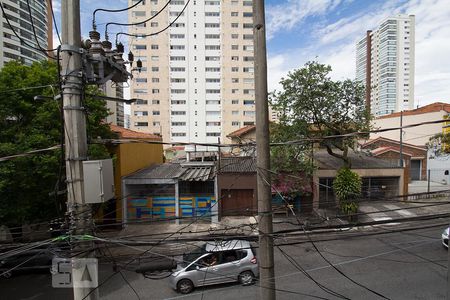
136	23
94	25
157	32
54	22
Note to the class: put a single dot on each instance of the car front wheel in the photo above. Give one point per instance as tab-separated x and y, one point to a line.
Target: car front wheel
185	286
246	278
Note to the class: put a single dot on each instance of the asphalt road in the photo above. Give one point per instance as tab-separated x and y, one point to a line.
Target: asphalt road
403	265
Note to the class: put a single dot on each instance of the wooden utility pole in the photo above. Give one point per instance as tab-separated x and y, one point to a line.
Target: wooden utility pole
266	261
75	130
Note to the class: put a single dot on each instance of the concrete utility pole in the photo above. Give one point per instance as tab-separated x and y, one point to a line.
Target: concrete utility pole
266	262
75	129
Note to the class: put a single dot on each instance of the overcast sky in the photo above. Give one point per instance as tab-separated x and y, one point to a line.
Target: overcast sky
327	30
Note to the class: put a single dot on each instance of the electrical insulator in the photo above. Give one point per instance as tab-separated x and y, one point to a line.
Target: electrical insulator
130	58
120	48
139	65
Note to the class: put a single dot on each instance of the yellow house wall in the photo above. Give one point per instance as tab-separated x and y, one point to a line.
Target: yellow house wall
131	158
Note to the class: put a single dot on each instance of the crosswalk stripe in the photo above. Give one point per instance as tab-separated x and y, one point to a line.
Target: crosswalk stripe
400	211
373	214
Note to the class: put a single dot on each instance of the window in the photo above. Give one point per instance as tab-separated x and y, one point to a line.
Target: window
156	113
234	36
213	80
212	47
234	123
154	24
249	102
213	134
178	113
212	69
212	2
235	58
234	91
178	134
154	47
177	36
212	113
176	13
234	14
234	101
155	80
212	91
248	58
248	48
141	124
141	113
212	14
234	80
177	58
212	123
155	69
235	112
212	58
176	47
249	92
178	80
178	123
248	14
180	25
178	102
234	69
142	102
140	91
234	47
155	91
156	102
141	80
249	80
155	58
247	3
177	69
213	102
212	36
140	47
177	91
138	13
234	25
212	25
248	36
156	124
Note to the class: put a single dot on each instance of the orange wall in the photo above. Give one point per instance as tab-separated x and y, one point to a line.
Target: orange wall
131	158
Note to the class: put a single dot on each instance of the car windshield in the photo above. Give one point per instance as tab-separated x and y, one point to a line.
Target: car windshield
192	256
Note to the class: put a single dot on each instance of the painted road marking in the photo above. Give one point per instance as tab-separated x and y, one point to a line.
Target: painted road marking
400	211
373	213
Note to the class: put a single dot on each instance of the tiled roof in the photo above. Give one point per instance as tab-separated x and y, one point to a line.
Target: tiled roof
241	131
433	107
359	160
393	142
243	164
125	133
381	150
176	170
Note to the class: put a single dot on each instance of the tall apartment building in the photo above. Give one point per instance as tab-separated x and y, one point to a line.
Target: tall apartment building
197	80
116	108
11	47
385	64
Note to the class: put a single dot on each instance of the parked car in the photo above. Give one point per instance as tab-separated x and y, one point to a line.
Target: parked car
215	263
27	261
444	237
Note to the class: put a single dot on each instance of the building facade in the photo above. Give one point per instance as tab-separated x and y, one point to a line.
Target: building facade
116	108
197	80
11	47
385	64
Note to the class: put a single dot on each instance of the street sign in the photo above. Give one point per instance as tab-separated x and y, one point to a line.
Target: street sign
74	272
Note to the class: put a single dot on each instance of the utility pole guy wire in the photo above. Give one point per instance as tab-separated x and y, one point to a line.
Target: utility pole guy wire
266	260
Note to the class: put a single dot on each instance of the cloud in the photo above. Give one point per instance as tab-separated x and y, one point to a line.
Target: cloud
293	12
334	44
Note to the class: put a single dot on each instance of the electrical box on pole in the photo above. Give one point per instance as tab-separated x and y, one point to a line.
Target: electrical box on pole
98	180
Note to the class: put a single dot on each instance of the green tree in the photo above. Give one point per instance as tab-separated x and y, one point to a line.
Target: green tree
27	124
312	106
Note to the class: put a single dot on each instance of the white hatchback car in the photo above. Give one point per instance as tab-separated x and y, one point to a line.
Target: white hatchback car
444	237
